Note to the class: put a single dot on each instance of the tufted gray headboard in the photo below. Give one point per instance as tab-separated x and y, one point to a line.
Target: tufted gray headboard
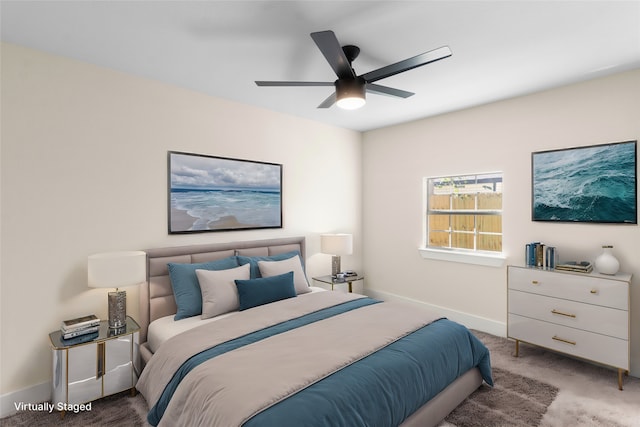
156	295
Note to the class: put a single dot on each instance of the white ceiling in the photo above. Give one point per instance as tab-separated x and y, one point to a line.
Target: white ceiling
501	49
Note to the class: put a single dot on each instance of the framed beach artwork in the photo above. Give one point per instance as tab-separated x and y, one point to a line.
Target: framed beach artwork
208	193
592	184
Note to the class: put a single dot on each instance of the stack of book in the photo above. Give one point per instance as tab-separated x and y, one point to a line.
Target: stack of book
79	326
579	266
538	254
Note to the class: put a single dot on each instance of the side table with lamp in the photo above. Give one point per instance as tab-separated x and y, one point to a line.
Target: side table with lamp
108	362
337	245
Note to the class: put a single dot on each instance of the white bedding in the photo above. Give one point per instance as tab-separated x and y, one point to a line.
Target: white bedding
164	328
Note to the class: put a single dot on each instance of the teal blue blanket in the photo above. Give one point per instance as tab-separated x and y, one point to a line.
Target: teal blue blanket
382	389
386	387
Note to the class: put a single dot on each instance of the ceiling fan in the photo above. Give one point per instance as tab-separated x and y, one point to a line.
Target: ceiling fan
351	88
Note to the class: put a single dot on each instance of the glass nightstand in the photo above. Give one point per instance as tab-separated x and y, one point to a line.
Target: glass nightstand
98	365
333	281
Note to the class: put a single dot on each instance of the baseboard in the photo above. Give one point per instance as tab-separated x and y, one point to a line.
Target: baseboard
34	394
471	321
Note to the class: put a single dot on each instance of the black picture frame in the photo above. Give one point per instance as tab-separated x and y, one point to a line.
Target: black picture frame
590	184
210	193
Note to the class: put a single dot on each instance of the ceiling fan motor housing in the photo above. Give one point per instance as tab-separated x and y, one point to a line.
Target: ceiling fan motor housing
350	88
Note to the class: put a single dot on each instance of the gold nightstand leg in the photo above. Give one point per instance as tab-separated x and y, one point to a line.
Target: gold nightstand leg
350	286
517	348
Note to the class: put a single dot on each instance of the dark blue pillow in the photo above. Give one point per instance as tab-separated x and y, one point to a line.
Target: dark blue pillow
186	288
255	292
253	260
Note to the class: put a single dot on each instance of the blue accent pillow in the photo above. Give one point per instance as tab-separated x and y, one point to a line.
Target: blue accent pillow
255	292
253	260
186	288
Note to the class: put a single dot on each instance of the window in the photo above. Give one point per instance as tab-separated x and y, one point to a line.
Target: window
464	213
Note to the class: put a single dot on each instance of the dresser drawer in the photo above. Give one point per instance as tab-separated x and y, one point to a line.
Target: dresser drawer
591	346
594	318
583	288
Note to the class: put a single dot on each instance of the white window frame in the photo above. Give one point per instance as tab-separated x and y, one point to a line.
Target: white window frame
468	256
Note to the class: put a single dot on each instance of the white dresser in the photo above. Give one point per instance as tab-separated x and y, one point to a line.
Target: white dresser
584	315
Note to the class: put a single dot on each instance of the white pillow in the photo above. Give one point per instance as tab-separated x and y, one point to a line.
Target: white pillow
275	268
218	288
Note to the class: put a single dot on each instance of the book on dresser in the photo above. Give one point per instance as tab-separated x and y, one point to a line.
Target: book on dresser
84	333
577	266
84	325
538	254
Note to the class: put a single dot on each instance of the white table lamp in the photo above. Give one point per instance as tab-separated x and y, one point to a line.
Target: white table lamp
336	245
117	270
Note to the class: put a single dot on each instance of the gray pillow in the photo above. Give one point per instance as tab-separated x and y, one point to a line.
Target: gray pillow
276	268
219	292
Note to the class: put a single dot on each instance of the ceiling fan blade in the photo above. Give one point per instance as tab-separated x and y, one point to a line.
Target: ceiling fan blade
333	53
385	90
407	64
270	83
329	101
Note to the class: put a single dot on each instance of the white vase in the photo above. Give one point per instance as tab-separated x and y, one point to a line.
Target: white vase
606	263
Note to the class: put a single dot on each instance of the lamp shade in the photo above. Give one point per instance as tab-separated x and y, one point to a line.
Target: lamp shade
336	244
116	269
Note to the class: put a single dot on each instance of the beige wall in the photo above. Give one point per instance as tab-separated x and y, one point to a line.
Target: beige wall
84	170
495	137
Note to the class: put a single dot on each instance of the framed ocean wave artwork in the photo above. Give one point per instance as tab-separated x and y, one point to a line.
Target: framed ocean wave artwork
209	193
592	184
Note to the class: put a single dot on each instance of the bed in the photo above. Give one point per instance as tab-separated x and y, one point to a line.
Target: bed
302	356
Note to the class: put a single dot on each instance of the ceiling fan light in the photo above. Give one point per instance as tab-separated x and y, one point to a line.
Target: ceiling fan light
350	94
351	103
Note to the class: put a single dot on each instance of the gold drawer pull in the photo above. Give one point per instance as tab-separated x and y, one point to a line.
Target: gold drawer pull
594	291
535	282
557	338
554	311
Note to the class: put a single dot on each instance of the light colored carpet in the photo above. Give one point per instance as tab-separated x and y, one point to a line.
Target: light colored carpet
588	395
580	395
